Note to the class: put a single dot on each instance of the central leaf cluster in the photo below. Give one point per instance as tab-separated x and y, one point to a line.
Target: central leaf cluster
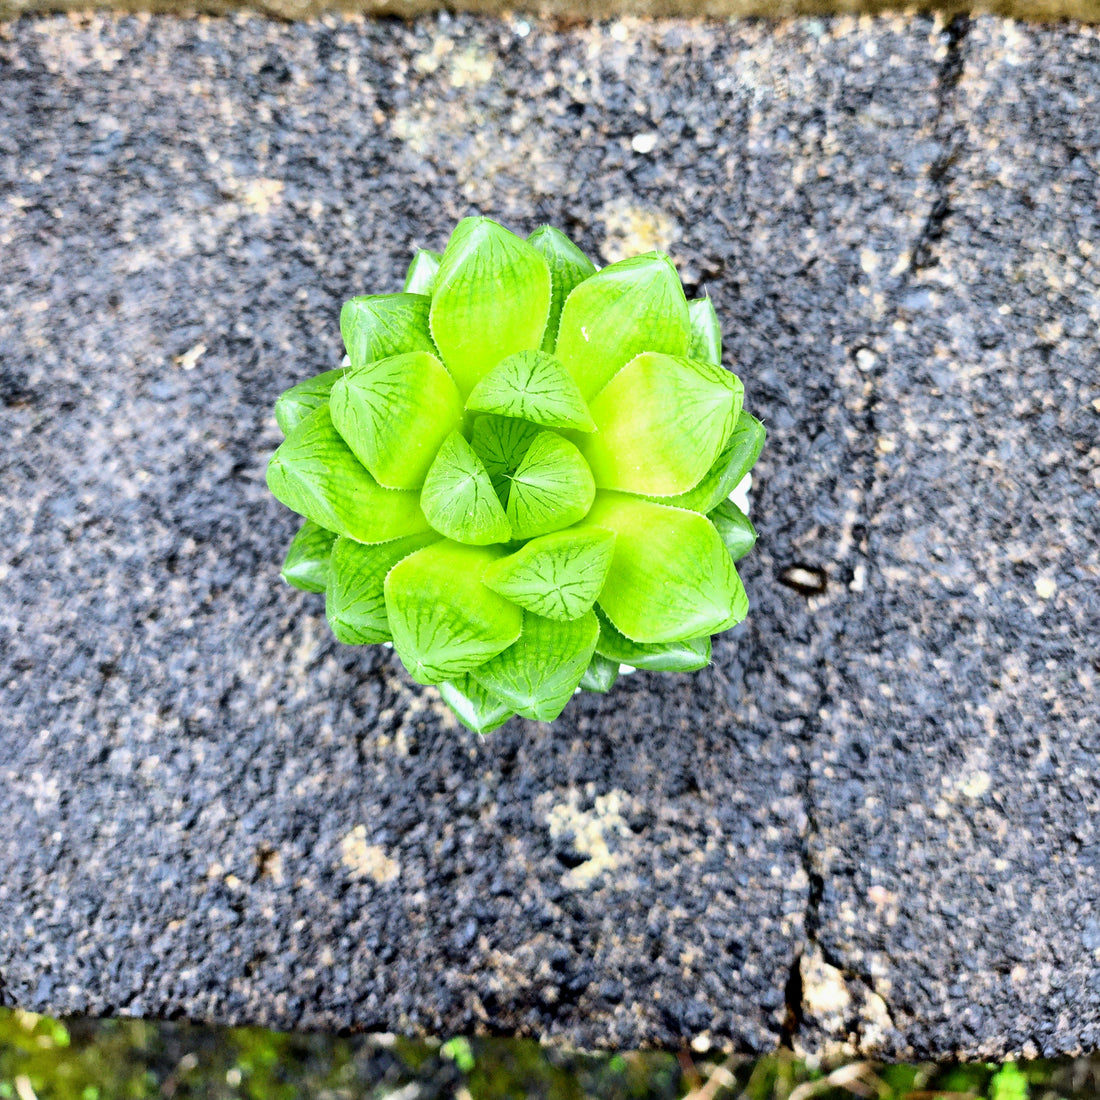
521	478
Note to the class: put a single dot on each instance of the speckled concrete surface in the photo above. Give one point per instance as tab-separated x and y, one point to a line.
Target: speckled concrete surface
217	812
956	761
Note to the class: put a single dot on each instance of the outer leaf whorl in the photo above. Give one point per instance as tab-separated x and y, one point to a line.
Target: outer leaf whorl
521	482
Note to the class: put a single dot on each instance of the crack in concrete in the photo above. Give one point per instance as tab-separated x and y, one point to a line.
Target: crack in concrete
940	173
945	131
856	975
921	257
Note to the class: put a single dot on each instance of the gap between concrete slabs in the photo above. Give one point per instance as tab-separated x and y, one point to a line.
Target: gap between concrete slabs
835	1008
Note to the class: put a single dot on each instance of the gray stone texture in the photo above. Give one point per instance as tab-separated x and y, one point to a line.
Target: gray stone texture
871	825
956	762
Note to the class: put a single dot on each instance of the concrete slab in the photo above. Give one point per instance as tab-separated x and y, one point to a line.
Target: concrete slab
955	797
215	810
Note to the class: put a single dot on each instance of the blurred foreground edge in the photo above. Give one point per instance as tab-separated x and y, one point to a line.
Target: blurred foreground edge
1086	11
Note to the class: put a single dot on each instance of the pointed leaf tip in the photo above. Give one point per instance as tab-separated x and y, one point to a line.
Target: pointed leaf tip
538	673
420	278
444	621
557	576
491	299
458	497
662	421
569	267
294	405
375	326
307	558
394	414
315	474
600	675
671	579
477	709
734	528
552	488
532	386
740	452
629	307
706	332
687	656
355	602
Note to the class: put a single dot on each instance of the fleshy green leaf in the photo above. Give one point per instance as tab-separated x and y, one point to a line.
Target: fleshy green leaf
355	603
686	656
376	326
661	423
551	489
558	576
569	267
421	274
534	386
741	450
476	708
671	579
629	307
458	497
394	413
734	528
307	558
600	675
294	405
445	622
315	474
501	442
538	674
706	332
491	299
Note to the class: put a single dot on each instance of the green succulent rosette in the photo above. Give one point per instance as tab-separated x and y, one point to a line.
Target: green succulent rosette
521	479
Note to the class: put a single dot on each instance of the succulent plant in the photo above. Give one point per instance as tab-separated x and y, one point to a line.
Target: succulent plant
521	477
